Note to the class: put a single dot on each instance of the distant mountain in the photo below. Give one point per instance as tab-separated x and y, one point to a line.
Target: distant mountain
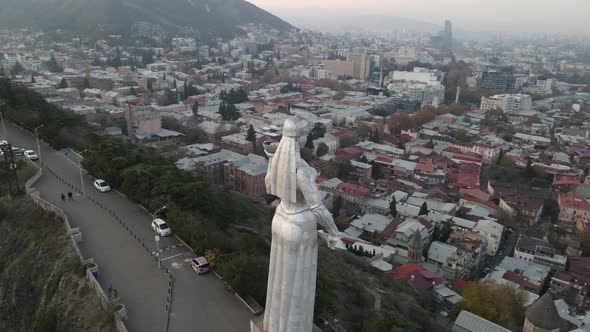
338	23
214	17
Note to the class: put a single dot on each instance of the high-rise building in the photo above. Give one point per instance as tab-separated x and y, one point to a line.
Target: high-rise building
447	37
497	79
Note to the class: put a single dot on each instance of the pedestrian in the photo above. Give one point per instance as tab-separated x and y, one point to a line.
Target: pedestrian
70	195
110	292
115	294
63	197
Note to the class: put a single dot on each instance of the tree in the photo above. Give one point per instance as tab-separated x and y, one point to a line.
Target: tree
423	209
500	304
17	69
195	109
132	91
306	154
337	206
63	84
461	135
363	131
172	97
86	83
309	142
53	66
393	207
585	244
251	136
149	85
400	121
343	167
322	149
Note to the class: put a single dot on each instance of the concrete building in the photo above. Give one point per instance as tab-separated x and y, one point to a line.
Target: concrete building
356	65
538	251
246	175
492	231
573	208
507	102
497	79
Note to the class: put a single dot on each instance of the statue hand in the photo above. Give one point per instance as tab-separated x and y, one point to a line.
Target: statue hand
332	241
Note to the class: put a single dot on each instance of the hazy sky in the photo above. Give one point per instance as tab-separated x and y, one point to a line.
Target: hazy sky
562	16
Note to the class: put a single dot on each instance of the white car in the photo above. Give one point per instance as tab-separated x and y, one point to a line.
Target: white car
31	155
161	227
101	185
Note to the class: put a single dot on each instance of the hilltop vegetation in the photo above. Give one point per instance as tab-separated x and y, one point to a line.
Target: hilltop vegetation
217	18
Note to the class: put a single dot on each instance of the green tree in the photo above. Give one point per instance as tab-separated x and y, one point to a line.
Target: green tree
242	273
363	131
195	109
393	207
149	85
461	135
17	69
251	136
309	142
86	83
423	209
306	154
585	244
344	168
53	66
63	84
500	304
132	91
336	206
322	149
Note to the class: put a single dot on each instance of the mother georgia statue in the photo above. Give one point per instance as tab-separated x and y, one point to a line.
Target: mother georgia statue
294	250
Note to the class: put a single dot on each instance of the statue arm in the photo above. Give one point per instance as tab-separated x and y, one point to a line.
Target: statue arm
306	180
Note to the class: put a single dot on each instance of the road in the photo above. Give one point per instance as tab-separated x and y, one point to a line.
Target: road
117	234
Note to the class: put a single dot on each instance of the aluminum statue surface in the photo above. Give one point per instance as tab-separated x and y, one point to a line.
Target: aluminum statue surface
294	250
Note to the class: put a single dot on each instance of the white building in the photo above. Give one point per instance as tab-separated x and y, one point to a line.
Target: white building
507	102
540	252
492	231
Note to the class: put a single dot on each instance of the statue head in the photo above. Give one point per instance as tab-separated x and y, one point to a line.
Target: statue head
282	168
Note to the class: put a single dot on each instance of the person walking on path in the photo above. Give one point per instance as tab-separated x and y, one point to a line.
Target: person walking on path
110	292
70	195
63	197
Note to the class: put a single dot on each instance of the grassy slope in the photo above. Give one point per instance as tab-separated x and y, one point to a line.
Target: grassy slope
42	284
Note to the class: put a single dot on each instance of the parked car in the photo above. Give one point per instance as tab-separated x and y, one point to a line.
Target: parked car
101	185
200	265
161	227
3	141
17	151
31	155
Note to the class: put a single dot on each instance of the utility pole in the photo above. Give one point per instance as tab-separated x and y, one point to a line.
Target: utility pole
38	145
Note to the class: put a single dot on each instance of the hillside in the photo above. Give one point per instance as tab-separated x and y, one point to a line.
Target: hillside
42	284
219	17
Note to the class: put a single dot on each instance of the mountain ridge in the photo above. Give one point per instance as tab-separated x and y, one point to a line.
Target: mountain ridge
218	17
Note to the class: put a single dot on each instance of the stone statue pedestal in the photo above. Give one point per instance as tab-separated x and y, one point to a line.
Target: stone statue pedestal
256	325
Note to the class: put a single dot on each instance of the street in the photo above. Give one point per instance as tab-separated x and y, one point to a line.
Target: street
117	234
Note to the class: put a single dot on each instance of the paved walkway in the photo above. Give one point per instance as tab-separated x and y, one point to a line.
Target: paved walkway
118	236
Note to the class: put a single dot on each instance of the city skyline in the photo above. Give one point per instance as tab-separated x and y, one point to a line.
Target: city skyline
526	16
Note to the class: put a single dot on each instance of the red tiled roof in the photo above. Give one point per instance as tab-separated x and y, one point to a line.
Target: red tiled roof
573	201
353	189
402	271
565	179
